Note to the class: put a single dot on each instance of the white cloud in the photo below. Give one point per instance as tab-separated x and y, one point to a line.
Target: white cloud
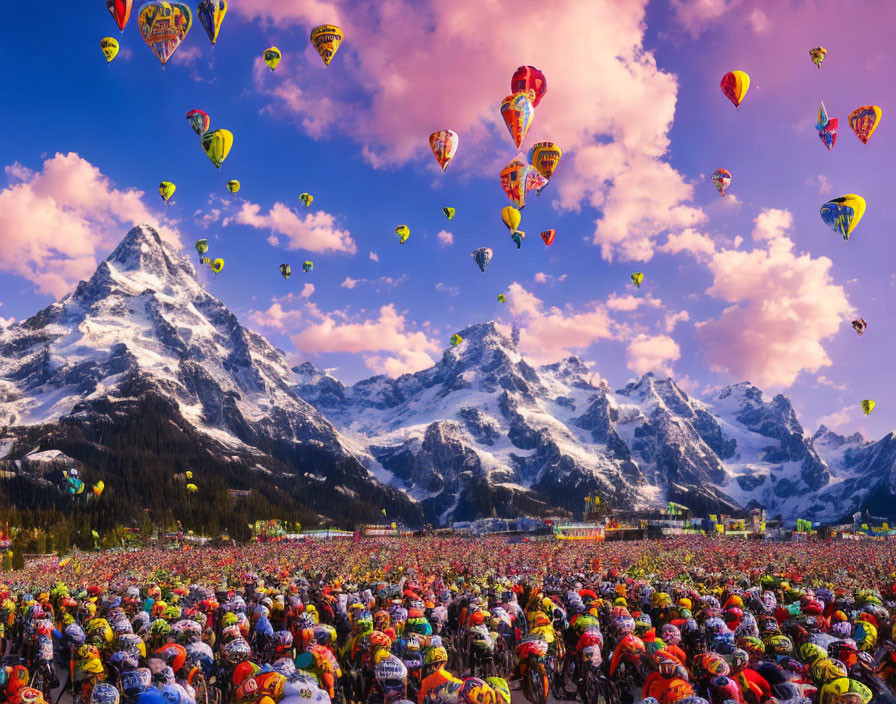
673	319
374	256
691	241
652	353
446	239
57	221
315	232
445	288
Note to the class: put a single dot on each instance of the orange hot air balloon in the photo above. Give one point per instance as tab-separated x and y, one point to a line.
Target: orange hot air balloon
864	121
444	145
735	85
518	111
548	236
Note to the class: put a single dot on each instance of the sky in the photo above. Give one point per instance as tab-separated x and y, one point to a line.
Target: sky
752	286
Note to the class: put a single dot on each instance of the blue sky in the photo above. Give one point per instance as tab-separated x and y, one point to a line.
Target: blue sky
355	136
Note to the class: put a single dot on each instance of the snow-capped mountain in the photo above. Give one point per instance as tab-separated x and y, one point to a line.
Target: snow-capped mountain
142	330
141	375
485	432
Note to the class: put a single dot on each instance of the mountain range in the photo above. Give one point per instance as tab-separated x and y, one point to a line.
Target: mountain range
139	375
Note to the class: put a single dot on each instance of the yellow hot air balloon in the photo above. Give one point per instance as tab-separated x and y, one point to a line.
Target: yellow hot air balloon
217	144
217	266
868	406
545	156
638	278
189	474
233	186
326	40
864	121
211	15
98	488
272	57
512	218
110	48
403	232
735	85
192	488
843	214
307	199
166	190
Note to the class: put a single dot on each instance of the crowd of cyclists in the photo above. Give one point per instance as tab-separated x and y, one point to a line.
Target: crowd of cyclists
454	622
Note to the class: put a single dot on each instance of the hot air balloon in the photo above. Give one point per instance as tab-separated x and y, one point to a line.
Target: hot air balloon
518	238
502	298
286	271
211	15
843	214
721	179
456	340
859	325
637	278
166	190
868	406
735	85
548	237
163	26
864	121
449	212
535	181
827	127
403	232
444	145
272	57
307	266
234	186
120	11
482	257
517	111
326	40
217	145
110	47
545	156
529	78
217	265
98	488
188	474
511	217
202	247
192	488
817	55
199	121
518	178
307	199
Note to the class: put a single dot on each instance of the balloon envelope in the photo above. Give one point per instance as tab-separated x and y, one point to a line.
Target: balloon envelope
456	340
307	199
843	214
545	156
166	190
721	179
482	257
517	111
735	85
109	47
403	232
817	55
864	121
272	57
120	11
444	145
511	217
234	186
326	40
211	15
217	145
529	78
868	406
199	121
449	212
163	26
548	236
638	278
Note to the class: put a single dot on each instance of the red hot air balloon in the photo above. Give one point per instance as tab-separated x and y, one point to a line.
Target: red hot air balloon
527	78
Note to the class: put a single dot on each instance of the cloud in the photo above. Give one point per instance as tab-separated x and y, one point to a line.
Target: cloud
652	353
759	21
695	16
673	319
374	256
690	241
548	333
381	283
4	322
629	303
821	182
824	381
57	221
543	278
615	147
783	306
279	316
315	232
446	239
445	288
838	419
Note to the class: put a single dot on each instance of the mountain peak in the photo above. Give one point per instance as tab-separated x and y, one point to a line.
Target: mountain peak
485	333
143	250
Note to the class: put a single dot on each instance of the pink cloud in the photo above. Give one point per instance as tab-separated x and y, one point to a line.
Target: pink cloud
57	221
446	239
628	303
691	241
316	232
615	148
279	316
673	319
652	353
783	307
696	15
548	333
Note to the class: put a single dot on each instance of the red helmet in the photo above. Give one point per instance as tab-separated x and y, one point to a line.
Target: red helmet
174	655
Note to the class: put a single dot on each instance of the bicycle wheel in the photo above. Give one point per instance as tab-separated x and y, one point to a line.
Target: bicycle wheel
42	680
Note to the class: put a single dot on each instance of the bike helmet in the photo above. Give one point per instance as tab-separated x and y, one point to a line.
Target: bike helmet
135	682
391	669
779	645
723	689
173	654
104	693
476	691
845	651
826	670
845	691
670	634
434	656
501	688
